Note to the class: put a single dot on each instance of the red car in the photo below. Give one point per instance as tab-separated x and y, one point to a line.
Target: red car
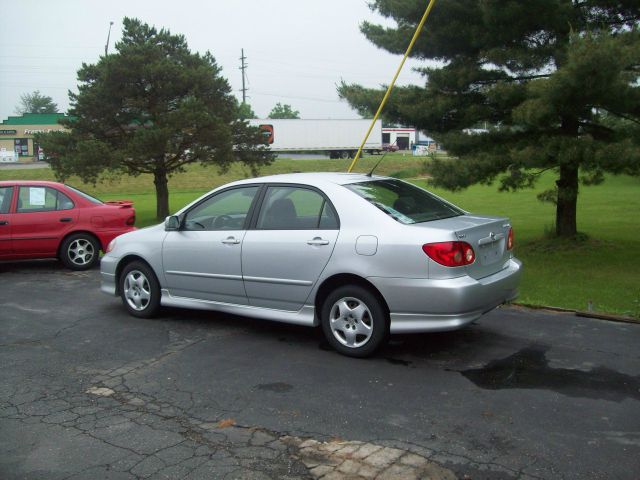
49	220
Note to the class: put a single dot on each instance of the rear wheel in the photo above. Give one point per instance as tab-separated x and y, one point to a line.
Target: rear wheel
354	321
80	251
139	290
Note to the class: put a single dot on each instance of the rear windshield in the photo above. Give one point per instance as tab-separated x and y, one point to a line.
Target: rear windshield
404	202
86	196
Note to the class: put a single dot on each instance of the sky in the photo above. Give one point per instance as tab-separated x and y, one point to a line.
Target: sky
297	50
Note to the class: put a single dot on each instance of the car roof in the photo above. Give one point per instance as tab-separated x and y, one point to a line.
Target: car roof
45	183
316	179
313	178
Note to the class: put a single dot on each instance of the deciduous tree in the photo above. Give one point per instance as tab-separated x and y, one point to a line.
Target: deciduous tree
556	82
36	103
284	111
245	112
152	107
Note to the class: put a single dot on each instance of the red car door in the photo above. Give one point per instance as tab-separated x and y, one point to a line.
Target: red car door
42	217
6	195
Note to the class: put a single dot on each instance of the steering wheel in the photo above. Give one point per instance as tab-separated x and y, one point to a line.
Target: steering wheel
221	221
192	223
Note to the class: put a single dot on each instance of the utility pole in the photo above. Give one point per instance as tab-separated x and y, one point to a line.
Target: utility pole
243	67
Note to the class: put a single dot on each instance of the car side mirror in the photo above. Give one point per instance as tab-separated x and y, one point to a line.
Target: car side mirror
172	223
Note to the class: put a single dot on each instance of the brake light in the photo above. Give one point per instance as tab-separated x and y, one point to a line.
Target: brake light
450	254
510	240
131	220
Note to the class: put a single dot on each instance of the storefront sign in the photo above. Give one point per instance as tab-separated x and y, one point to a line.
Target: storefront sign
28	131
8	132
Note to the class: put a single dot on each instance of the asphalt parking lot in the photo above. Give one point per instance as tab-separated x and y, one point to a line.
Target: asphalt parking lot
89	392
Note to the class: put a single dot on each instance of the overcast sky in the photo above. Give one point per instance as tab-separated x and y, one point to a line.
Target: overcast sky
297	50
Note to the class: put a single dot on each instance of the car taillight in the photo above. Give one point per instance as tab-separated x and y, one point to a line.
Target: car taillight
131	220
510	240
450	254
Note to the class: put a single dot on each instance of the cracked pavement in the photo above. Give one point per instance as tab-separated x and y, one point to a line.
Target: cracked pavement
88	392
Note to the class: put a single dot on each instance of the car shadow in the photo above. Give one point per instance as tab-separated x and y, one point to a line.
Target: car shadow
455	348
49	265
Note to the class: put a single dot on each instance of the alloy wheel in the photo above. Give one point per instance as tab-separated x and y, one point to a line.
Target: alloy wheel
81	252
137	290
351	322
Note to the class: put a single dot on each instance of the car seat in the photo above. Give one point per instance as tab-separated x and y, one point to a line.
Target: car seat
281	215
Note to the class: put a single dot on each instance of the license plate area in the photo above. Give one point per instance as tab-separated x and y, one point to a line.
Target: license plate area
490	252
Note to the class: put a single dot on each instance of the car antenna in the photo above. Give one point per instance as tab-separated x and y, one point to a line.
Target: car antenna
370	174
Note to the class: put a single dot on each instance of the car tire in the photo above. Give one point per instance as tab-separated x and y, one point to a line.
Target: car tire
80	251
354	321
139	290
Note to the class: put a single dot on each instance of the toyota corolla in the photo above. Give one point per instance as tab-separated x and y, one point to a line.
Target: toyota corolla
361	256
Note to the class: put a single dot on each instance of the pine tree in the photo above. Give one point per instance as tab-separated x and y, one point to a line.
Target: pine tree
555	82
152	107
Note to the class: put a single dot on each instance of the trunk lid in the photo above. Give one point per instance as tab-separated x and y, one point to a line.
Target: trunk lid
488	238
486	235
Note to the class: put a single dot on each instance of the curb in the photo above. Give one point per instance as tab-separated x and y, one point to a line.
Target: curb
606	316
581	313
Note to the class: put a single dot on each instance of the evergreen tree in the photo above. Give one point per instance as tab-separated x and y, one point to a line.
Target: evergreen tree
556	82
153	107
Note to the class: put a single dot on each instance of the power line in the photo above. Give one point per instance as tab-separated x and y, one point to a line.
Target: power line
313	99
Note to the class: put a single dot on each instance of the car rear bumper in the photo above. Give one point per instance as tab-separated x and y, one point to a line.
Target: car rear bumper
105	236
425	305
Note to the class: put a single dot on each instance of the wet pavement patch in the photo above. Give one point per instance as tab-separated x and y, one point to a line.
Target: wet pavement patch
529	369
278	387
397	361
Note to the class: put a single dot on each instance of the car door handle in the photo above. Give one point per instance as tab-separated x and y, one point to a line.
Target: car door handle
231	241
317	241
66	219
4	222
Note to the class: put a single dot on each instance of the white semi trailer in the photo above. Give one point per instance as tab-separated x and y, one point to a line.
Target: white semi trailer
336	138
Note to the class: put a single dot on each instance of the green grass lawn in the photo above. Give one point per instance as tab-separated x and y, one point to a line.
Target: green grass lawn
604	269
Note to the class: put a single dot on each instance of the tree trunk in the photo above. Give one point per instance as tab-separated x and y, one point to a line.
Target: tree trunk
162	194
566	207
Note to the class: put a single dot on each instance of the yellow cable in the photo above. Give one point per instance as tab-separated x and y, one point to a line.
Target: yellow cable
386	95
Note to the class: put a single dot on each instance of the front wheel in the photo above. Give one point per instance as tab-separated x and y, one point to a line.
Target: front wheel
140	290
354	321
80	251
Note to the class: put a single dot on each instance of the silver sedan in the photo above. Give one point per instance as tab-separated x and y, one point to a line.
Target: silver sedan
361	256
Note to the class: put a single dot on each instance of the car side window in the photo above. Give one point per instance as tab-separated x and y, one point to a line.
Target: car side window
227	210
42	199
328	218
295	208
6	194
